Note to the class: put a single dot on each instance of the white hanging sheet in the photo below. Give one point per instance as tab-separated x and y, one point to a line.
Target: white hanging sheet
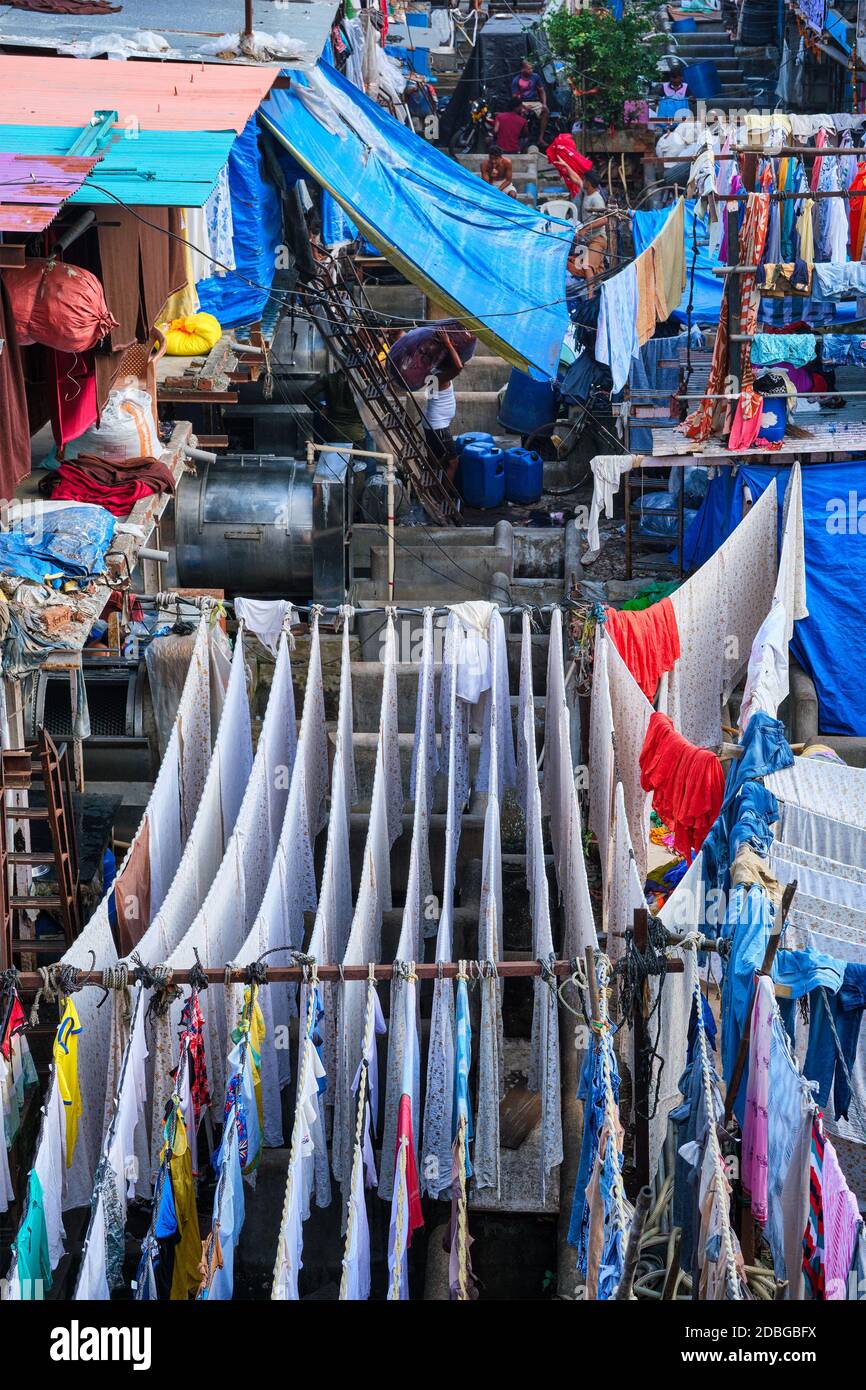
828	789
791	578
374	897
227	778
264	617
750	569
308	1143
235	896
544	1054
601	741
334	913
419	889
497	744
291	887
436	1142
626	885
690	693
62	1188
632	712
399	1233
124	1149
841	884
491	1071
524	697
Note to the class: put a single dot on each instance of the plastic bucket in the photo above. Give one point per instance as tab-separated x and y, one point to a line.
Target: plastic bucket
702	79
527	404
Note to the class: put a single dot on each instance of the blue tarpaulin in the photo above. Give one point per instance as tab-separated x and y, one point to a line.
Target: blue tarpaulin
490	261
258	230
835	541
708	287
67	541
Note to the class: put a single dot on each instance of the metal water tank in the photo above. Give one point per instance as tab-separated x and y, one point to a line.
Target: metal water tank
259	525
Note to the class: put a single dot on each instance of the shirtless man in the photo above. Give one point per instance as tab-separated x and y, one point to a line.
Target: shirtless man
496	169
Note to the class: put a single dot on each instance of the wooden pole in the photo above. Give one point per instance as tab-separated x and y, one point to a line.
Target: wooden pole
766	966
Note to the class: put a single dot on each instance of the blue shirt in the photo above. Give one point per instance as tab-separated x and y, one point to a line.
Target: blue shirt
526	87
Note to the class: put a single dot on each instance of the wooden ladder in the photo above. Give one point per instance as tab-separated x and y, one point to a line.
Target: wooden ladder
39	766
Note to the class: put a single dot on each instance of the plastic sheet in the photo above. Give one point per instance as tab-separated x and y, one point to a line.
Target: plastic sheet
68	541
835	553
494	263
258	230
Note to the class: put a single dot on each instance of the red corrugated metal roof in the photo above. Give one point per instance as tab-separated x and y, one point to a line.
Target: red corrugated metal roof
155	96
33	188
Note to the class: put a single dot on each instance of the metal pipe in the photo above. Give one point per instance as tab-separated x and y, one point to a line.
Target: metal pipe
391	560
73	231
29	981
632	1249
766	154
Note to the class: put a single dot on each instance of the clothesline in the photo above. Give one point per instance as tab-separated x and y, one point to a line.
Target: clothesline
848	151
204	601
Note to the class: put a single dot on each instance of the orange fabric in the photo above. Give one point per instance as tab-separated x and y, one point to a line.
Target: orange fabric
687	783
648	640
857	212
646	296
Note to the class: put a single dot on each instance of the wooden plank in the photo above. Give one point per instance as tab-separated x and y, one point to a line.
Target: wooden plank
11	256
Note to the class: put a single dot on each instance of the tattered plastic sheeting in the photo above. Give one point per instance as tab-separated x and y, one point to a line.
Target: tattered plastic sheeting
494	263
257	223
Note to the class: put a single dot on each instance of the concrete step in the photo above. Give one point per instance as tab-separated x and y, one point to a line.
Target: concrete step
367	675
405	300
476	410
522	1187
365	743
428	561
484	373
471	845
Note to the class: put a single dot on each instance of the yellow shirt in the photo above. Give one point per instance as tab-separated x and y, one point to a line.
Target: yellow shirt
186	1277
66	1067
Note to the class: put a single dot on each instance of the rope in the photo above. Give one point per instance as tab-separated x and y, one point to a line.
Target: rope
605	1042
358	1155
732	1274
400	1223
462	1217
635	970
282	1247
47	990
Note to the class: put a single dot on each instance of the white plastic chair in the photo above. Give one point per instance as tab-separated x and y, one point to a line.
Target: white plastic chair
562	208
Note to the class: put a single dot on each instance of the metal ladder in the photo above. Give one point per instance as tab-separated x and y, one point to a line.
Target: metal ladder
24	769
359	348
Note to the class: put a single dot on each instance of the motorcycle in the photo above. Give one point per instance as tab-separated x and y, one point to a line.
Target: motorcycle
476	133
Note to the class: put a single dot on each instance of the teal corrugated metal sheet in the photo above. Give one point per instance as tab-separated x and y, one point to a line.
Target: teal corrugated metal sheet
162	168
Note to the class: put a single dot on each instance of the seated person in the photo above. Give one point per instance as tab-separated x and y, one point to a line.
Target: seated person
675	86
529	87
509	127
496	169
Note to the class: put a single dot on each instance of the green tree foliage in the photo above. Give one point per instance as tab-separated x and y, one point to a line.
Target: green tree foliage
618	57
